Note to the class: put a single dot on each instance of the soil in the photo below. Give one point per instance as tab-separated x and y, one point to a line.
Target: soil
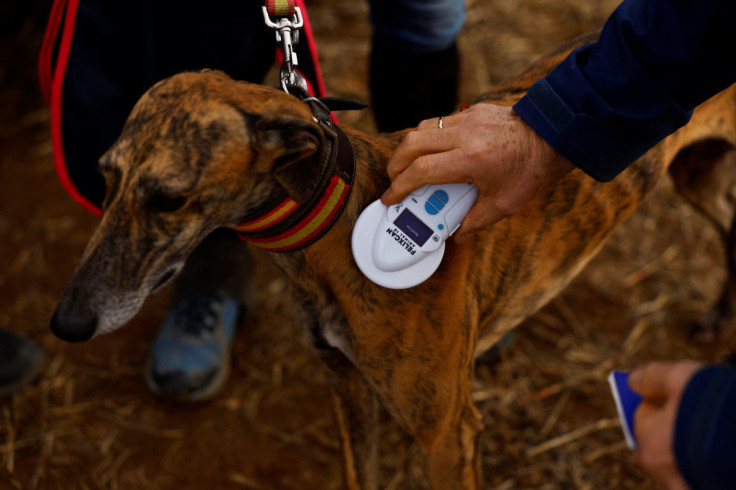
89	422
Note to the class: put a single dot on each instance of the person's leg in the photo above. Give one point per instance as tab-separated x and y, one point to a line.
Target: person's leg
20	360
414	63
190	357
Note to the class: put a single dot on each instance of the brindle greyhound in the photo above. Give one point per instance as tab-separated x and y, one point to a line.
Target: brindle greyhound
201	151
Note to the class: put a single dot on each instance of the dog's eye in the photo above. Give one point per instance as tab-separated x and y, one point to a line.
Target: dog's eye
165	203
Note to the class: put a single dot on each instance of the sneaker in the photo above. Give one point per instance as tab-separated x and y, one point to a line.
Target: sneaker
190	358
20	360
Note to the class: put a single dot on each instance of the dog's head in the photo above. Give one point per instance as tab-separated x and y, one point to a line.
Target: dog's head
198	152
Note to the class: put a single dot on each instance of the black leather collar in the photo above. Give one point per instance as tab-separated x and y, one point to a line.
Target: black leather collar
287	225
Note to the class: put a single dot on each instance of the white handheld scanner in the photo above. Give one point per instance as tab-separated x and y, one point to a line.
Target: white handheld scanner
400	246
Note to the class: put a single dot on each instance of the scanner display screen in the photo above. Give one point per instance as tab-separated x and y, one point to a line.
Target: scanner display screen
413	228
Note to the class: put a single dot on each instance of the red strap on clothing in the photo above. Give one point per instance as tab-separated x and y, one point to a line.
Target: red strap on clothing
52	83
52	65
45	58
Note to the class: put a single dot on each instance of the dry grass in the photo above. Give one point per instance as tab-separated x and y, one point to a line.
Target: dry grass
90	423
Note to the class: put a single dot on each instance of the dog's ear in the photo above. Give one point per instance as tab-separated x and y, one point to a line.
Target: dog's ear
294	145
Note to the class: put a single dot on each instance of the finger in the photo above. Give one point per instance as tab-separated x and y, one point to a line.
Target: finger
433	123
417	144
647	413
438	168
649	435
481	216
427	139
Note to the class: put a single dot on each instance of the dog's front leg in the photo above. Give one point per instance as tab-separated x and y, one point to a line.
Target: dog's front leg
356	411
448	427
703	169
355	404
426	385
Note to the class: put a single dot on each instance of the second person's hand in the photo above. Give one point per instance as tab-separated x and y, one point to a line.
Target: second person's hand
661	385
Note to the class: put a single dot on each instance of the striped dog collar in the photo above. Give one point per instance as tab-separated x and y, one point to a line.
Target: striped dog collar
289	225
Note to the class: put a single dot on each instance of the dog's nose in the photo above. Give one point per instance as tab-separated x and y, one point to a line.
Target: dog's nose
74	327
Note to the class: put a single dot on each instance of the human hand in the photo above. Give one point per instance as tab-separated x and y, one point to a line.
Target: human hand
661	385
488	145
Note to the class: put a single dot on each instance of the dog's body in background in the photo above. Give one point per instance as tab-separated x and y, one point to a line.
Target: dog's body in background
201	151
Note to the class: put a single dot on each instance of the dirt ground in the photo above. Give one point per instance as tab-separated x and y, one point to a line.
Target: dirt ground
89	421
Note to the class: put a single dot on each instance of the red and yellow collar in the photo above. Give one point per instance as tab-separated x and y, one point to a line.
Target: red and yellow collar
309	227
290	225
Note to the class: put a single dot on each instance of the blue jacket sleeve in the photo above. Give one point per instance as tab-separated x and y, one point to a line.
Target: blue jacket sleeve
705	429
609	102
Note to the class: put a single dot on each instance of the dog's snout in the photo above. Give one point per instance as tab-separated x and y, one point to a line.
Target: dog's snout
74	327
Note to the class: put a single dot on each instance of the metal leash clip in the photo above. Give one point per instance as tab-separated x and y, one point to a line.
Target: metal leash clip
289	21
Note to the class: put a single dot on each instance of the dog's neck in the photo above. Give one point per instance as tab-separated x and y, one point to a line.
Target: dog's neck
315	270
288	225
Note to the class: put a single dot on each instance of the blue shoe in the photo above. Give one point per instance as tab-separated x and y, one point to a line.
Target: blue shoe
190	358
20	360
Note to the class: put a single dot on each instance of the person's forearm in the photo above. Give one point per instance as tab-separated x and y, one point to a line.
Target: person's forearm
705	429
610	102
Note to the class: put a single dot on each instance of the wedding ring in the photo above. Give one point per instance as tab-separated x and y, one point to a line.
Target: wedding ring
441	118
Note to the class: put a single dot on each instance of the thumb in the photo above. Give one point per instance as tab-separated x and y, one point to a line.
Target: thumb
661	380
480	217
649	381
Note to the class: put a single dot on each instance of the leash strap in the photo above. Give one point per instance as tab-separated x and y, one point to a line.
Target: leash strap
280	8
288	225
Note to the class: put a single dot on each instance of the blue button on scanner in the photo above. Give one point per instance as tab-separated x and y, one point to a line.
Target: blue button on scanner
435	201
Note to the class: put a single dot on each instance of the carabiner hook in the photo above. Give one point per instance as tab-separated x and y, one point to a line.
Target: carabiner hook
287	33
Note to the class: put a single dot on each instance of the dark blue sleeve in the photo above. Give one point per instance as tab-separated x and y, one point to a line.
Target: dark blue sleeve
705	429
609	102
